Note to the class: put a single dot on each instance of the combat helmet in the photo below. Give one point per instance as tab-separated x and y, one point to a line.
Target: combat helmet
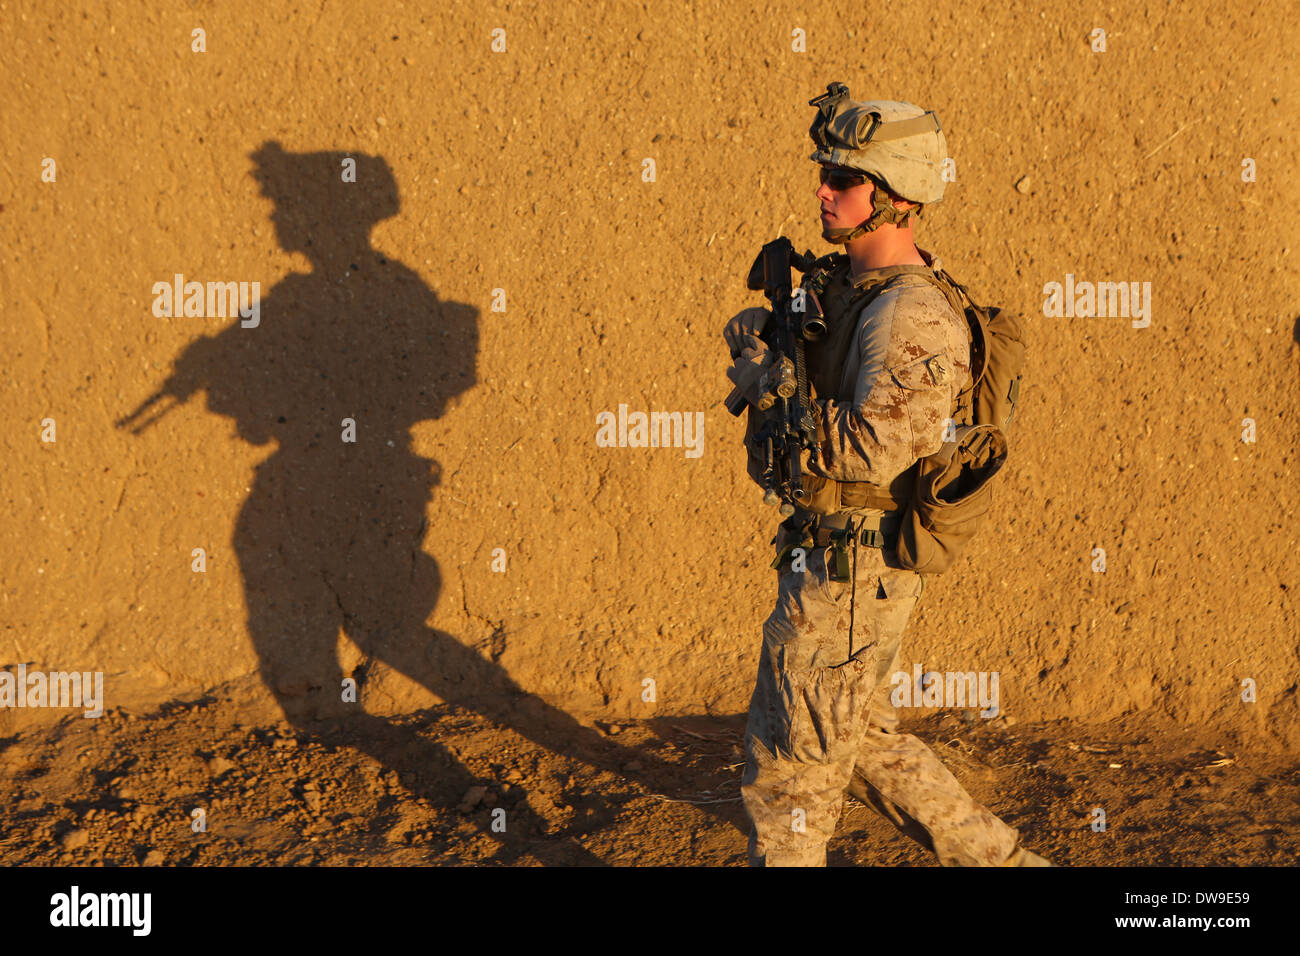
898	145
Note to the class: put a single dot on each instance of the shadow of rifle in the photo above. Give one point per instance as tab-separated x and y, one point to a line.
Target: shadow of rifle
186	379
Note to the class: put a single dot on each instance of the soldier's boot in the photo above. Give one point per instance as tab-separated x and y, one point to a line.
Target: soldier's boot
802	856
810	857
1022	857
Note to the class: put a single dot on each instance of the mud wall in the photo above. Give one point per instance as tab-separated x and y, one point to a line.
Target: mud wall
504	268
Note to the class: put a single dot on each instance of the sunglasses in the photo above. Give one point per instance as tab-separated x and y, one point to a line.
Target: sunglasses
840	180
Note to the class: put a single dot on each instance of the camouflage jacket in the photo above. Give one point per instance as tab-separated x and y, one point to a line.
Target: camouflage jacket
885	393
885	377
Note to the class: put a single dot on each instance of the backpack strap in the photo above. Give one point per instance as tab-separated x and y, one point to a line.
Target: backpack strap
965	306
861	494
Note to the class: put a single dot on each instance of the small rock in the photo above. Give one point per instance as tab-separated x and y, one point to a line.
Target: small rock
74	839
473	797
312	799
614	729
153	858
219	765
1022	184
542	805
634	766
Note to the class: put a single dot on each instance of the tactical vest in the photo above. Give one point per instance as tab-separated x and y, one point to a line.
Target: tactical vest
941	498
843	304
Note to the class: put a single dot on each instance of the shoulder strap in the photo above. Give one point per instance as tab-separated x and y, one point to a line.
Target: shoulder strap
859	494
955	293
864	298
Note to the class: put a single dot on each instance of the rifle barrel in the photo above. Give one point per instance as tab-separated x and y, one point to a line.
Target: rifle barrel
144	406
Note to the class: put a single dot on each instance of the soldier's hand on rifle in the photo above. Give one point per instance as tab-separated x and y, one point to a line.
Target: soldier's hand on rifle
753	360
750	321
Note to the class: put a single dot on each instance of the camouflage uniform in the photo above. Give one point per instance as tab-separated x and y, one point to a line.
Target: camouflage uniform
820	719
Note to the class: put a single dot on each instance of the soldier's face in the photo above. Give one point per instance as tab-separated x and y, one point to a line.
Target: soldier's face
844	208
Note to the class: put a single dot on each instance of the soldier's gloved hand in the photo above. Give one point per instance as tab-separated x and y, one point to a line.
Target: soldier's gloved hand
750	347
745	322
753	359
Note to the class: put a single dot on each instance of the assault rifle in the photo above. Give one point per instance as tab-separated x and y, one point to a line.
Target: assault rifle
788	427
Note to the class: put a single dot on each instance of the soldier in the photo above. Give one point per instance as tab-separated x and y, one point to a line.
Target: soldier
885	378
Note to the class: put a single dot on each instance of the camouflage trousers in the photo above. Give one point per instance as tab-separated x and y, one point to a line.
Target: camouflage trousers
821	723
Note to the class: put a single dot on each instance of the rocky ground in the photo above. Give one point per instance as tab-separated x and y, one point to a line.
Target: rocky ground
123	790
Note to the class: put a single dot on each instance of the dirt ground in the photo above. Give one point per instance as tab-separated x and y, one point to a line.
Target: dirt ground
123	790
501	272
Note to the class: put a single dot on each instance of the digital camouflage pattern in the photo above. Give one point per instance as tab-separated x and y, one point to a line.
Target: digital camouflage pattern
883	385
820	718
821	722
907	361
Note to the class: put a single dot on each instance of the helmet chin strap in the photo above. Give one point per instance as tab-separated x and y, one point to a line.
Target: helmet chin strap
884	212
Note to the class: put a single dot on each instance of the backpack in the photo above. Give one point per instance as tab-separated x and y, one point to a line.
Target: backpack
953	488
948	494
997	357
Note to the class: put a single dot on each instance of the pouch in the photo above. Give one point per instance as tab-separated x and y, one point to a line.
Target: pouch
952	496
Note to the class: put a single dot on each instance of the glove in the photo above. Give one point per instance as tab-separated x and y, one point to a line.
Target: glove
747	322
754	359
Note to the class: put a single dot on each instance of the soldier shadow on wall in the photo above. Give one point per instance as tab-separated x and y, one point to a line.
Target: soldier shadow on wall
332	530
